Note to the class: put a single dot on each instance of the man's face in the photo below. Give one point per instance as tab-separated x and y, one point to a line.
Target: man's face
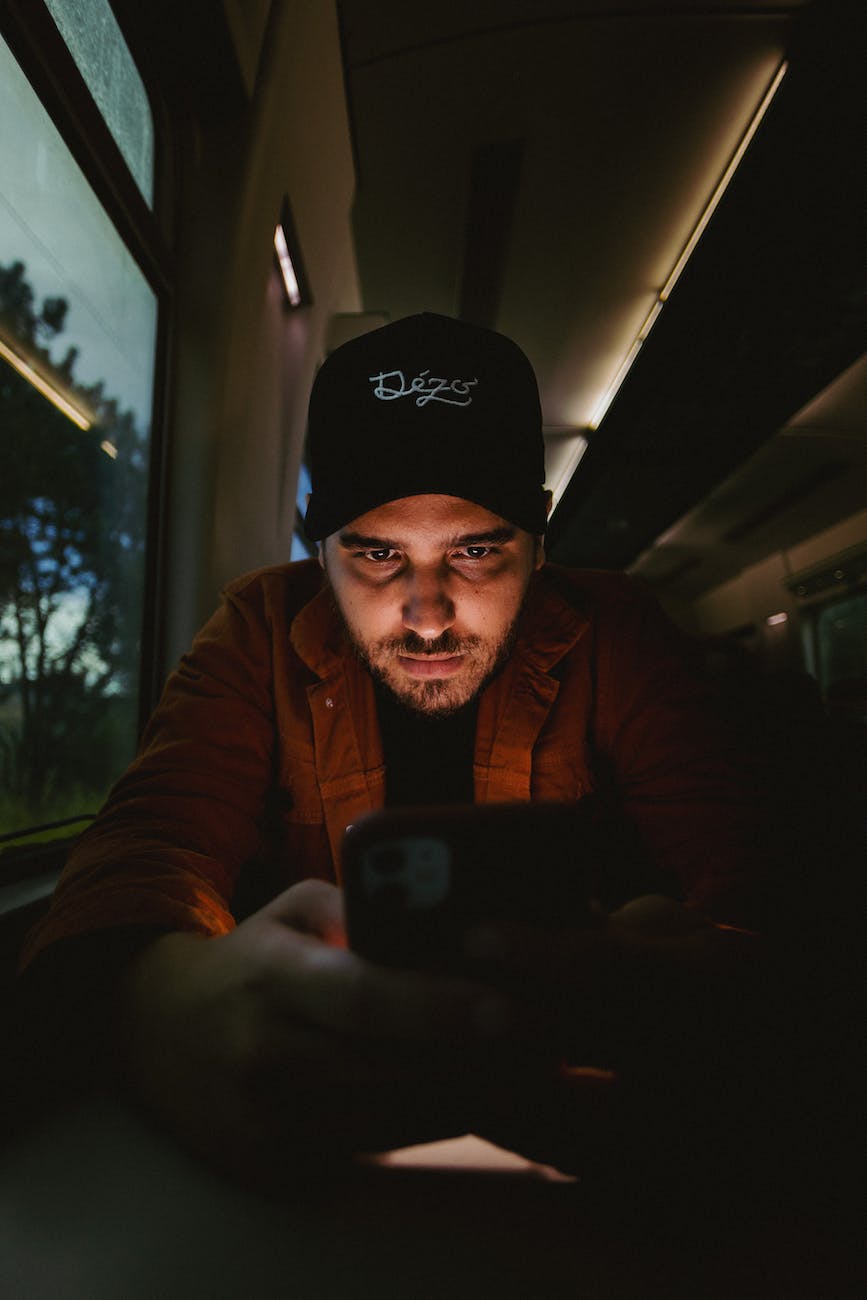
430	588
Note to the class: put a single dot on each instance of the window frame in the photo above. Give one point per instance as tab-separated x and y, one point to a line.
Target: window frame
31	34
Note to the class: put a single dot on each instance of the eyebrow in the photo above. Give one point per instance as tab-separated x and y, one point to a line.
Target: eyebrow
358	542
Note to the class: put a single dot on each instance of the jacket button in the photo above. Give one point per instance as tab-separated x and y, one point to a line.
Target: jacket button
329	703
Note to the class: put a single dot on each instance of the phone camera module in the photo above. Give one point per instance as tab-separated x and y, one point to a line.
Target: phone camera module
389	860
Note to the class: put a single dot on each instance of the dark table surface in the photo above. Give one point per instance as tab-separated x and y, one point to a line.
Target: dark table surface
94	1205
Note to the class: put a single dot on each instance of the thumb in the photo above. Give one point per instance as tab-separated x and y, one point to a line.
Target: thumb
312	907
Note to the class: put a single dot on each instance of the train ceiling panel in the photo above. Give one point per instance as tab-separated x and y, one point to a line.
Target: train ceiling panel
539	168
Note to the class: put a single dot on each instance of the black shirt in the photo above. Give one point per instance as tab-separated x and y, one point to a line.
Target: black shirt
428	759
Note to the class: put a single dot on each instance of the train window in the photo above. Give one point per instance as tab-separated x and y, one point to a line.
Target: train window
841	639
102	56
78	326
302	547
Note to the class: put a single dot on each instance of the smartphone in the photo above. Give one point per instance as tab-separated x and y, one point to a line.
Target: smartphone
416	879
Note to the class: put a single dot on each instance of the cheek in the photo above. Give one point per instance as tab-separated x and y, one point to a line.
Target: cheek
492	611
372	616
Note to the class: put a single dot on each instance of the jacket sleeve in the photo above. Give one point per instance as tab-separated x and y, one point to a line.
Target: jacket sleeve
675	764
166	849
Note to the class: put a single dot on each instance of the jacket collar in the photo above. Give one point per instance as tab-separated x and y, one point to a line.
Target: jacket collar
552	621
317	636
512	711
517	704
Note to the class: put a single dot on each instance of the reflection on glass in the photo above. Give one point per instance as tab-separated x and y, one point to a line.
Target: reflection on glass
102	56
77	312
302	547
842	638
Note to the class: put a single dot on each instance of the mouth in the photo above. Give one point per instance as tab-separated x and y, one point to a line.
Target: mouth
430	665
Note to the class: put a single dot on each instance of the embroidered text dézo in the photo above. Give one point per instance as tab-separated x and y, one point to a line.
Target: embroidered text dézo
391	384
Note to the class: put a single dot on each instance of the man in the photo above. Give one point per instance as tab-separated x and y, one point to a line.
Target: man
430	657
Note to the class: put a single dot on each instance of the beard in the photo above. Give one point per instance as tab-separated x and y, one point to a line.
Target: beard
437	697
483	659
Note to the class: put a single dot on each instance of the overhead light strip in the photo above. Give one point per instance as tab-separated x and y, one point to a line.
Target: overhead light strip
44	387
287	270
568	470
688	248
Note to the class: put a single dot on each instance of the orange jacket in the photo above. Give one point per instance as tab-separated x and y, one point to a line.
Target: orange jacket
266	745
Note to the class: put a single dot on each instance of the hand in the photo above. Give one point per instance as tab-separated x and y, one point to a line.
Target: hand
275	1038
606	993
660	1001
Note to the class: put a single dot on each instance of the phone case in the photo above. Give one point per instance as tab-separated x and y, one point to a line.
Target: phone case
416	879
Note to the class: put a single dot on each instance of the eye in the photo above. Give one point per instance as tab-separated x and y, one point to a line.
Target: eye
476	552
380	556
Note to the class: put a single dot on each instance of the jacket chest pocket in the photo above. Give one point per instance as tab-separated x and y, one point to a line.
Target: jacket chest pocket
298	799
562	773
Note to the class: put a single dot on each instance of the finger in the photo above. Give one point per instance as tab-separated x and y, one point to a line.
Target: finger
654	916
295	1096
574	985
393	1100
338	989
307	1055
510	949
651	930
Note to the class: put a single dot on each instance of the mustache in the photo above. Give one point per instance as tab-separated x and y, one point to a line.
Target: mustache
447	643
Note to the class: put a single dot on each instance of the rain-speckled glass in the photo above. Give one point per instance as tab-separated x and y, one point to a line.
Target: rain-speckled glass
95	41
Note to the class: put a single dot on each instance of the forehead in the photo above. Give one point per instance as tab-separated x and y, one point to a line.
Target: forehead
426	519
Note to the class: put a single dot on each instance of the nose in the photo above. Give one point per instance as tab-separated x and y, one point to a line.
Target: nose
428	610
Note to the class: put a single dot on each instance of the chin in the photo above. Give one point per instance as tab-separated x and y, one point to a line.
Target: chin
435	698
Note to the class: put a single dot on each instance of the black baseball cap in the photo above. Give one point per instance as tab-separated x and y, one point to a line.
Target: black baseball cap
426	404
